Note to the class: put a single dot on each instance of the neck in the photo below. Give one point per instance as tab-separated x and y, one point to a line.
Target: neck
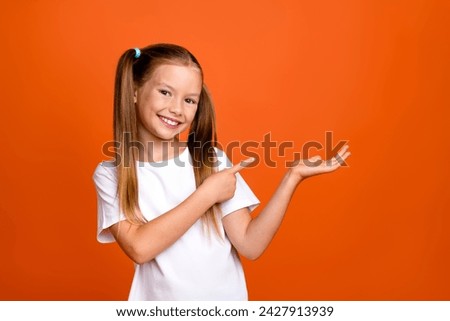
157	151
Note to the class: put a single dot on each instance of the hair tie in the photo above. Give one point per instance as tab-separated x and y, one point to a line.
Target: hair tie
138	53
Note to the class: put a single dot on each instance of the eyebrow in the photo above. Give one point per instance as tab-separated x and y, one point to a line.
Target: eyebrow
171	88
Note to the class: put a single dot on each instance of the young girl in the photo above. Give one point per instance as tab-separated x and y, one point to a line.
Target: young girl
181	213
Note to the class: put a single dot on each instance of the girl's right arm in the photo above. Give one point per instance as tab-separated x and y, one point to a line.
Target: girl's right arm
143	242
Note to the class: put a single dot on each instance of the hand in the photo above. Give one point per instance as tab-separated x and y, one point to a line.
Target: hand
221	186
315	165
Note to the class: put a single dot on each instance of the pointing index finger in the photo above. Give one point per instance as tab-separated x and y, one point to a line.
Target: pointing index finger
245	163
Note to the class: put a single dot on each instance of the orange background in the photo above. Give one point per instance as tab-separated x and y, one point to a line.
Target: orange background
375	73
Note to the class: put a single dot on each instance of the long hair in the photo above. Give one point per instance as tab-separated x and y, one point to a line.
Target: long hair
131	74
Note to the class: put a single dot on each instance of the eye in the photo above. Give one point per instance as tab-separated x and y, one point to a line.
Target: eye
190	101
165	92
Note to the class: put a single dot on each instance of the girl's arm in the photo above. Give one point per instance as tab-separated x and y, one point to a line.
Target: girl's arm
143	242
252	236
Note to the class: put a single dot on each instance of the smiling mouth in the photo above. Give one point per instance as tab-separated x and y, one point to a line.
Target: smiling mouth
171	123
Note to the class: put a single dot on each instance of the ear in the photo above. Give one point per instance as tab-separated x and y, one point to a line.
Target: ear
135	96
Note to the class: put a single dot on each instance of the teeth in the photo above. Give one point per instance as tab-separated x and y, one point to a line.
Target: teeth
168	121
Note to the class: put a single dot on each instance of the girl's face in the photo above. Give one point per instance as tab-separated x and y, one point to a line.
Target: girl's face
166	104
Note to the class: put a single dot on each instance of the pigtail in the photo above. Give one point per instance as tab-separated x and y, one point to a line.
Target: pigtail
201	142
125	133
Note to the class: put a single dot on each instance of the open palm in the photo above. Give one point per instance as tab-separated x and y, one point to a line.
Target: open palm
305	168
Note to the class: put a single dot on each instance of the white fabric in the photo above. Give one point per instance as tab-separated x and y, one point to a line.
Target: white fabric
195	267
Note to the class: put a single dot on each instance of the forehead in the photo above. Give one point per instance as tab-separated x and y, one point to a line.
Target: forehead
183	78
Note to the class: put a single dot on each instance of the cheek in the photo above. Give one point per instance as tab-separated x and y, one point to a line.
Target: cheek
190	114
158	101
150	106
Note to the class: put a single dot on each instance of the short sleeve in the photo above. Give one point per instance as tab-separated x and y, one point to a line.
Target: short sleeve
243	196
108	212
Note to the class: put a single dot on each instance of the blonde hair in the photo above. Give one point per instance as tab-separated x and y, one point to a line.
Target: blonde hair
131	74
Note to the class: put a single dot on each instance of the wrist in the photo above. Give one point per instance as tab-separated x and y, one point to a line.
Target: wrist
206	195
293	178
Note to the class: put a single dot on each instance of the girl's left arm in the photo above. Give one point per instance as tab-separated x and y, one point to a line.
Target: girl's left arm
250	236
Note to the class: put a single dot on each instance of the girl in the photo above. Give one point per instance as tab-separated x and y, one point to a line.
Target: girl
181	213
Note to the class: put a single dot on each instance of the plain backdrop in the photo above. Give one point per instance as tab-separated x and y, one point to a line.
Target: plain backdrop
374	73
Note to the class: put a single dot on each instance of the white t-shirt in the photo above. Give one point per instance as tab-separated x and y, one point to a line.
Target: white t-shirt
196	266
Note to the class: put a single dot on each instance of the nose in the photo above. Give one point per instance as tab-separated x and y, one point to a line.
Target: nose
176	107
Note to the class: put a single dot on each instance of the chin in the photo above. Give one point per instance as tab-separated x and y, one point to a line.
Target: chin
167	137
